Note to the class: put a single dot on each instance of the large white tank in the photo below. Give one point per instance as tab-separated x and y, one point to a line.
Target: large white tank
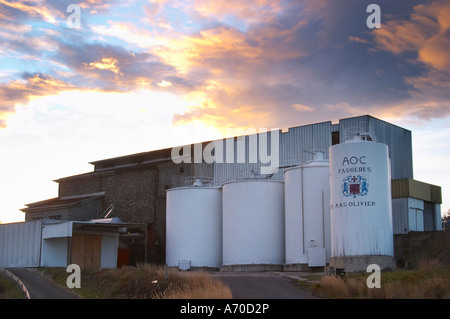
194	226
253	222
360	205
307	213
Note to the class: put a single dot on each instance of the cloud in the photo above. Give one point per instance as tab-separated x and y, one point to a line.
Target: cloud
302	108
301	52
21	91
426	33
358	40
165	84
37	9
268	62
231	11
144	38
424	41
112	67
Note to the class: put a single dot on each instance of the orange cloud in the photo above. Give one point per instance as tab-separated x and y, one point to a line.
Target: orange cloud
19	92
302	108
142	37
253	11
39	9
426	32
105	64
210	45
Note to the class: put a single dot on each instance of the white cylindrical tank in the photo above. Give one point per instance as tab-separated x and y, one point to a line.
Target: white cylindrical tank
253	222
307	213
194	226
360	205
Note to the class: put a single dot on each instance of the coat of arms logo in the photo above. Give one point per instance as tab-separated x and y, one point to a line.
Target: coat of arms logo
355	186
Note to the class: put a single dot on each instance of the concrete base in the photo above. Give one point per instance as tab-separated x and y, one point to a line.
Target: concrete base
301	267
360	263
252	267
296	267
195	268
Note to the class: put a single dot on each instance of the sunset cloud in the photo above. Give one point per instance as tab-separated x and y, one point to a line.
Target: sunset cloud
234	60
425	39
30	86
302	108
34	9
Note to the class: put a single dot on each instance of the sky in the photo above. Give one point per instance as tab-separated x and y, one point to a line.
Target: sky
82	81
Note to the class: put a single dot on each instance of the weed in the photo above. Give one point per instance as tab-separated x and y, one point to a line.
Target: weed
429	281
144	282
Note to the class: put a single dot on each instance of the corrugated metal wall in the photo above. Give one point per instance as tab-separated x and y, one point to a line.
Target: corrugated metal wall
297	142
428	217
294	147
396	138
20	244
400	215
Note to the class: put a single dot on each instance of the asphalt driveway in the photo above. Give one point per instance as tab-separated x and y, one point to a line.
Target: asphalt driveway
263	285
243	285
39	287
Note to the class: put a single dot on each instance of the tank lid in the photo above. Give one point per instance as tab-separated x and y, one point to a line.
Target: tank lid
361	137
192	188
198	181
245	180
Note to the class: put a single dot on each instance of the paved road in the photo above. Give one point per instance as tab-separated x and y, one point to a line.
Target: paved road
243	285
262	285
39	287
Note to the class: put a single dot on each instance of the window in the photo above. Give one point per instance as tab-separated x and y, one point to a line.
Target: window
334	138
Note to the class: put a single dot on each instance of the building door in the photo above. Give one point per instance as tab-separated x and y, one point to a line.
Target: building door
428	216
86	250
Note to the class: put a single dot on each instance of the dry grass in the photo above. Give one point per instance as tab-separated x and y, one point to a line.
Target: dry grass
429	281
9	290
195	285
145	282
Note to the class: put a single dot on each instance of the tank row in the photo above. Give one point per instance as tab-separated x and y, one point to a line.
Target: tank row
334	212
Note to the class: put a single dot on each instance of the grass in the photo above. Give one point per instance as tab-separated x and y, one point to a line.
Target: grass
429	280
143	282
9	290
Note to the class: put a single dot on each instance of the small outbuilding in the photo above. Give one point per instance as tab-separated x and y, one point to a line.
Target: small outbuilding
48	243
416	206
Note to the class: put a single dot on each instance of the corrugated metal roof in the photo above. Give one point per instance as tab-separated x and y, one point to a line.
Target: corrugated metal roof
57	203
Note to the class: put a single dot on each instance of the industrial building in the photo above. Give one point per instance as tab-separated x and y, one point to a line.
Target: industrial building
136	189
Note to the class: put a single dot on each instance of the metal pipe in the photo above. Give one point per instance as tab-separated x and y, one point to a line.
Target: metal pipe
303	213
323	219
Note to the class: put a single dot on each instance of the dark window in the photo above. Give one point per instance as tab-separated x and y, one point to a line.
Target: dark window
334	138
428	216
